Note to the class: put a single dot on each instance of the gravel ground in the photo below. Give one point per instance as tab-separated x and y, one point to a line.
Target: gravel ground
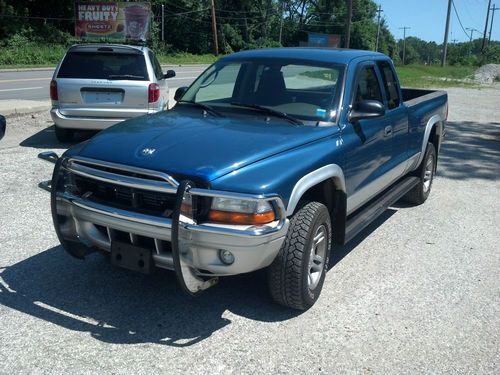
487	73
416	292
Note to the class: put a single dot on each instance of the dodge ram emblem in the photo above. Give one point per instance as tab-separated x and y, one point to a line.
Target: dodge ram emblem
148	151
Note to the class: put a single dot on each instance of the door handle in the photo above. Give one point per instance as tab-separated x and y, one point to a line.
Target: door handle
388	131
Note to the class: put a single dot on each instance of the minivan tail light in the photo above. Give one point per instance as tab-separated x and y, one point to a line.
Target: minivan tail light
53	90
154	93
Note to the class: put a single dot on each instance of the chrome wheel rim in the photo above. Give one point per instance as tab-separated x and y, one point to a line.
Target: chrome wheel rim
317	257
428	174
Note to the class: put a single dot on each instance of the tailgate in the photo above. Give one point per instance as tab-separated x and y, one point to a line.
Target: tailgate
103	82
102	98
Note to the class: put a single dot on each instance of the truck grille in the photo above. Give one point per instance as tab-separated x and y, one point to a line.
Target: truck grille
137	200
129	188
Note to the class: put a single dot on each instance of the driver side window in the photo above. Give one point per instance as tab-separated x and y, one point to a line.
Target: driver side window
367	86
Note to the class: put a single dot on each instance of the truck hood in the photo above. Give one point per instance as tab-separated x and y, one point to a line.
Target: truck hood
187	144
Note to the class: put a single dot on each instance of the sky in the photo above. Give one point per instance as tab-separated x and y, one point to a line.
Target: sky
427	18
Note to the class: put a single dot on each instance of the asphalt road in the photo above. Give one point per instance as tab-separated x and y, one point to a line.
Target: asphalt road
34	84
416	292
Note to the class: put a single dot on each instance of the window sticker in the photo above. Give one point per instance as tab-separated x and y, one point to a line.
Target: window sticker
320	112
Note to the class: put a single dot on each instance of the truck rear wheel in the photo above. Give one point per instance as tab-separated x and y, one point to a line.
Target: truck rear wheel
425	172
64	135
297	274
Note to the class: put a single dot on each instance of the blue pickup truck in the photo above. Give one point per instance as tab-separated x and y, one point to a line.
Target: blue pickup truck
267	159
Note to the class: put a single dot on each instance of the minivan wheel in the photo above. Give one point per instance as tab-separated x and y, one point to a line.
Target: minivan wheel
296	276
64	135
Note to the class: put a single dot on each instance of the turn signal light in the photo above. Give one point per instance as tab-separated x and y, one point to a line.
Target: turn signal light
153	93
240	218
53	90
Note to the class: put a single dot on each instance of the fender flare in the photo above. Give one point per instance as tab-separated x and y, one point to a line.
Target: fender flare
330	171
434	120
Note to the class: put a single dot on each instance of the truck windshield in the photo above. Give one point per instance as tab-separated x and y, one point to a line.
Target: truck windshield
308	91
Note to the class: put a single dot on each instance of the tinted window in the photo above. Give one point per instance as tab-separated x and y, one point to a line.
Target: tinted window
156	66
103	65
367	86
390	85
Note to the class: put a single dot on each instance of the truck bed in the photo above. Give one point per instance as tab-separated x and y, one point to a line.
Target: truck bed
415	96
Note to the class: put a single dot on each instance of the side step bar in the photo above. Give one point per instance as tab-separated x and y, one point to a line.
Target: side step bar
360	220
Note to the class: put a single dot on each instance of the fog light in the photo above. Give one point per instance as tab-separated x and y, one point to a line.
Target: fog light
226	257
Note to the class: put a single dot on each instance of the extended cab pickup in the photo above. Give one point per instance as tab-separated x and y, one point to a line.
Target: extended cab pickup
267	159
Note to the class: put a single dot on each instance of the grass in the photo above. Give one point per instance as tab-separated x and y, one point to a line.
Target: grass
435	76
187	58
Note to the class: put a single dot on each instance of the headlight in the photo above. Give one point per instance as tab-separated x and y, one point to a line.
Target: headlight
242	212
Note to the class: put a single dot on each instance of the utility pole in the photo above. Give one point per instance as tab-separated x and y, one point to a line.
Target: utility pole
162	22
348	24
446	30
486	26
214	29
404	28
471	32
281	22
492	16
378	27
454	41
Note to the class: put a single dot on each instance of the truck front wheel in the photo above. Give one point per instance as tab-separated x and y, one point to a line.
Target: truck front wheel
297	274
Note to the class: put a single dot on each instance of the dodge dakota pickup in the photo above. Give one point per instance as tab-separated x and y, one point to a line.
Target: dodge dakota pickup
267	159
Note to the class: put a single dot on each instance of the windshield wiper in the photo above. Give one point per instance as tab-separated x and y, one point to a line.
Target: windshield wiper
207	108
270	111
124	76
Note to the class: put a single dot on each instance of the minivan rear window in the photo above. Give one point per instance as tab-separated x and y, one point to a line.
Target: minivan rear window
103	66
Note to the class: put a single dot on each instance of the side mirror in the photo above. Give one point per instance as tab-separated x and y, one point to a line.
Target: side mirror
179	93
169	74
366	109
2	126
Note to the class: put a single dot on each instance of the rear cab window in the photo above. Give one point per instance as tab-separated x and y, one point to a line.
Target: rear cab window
390	84
103	65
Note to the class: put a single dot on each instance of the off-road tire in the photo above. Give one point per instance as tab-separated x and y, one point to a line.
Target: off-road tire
64	135
420	193
288	275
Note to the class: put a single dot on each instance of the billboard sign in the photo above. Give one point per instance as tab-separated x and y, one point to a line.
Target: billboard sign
118	21
323	40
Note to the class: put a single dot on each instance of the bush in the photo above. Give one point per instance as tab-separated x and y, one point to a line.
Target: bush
27	47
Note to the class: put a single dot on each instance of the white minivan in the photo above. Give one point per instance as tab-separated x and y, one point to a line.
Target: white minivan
98	85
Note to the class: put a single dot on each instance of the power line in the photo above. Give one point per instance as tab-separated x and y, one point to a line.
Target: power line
458	17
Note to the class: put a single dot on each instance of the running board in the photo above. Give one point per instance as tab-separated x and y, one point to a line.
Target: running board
366	215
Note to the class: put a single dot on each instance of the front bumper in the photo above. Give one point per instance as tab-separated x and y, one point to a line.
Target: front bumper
176	243
83	220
